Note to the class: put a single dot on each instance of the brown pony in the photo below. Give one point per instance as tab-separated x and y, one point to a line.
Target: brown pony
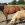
9	10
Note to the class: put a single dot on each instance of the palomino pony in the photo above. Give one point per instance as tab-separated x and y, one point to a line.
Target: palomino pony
9	10
17	16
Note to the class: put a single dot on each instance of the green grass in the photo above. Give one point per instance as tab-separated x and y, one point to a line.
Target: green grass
17	5
0	12
21	5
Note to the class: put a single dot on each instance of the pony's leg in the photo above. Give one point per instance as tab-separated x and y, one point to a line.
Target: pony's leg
6	18
18	20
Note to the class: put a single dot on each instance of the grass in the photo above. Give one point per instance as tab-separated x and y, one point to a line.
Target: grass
0	12
17	5
21	5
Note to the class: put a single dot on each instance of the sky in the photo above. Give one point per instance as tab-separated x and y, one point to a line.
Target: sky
7	1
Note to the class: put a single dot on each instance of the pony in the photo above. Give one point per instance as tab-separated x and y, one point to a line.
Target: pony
9	10
17	16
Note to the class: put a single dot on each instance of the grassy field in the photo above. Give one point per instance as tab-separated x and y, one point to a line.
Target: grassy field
0	12
21	5
17	5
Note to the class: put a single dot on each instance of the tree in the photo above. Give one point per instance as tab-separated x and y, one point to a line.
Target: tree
4	3
21	1
24	2
10	3
14	2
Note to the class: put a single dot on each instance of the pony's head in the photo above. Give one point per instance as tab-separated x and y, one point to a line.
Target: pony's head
11	23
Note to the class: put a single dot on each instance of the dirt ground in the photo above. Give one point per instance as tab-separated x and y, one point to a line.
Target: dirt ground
2	17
